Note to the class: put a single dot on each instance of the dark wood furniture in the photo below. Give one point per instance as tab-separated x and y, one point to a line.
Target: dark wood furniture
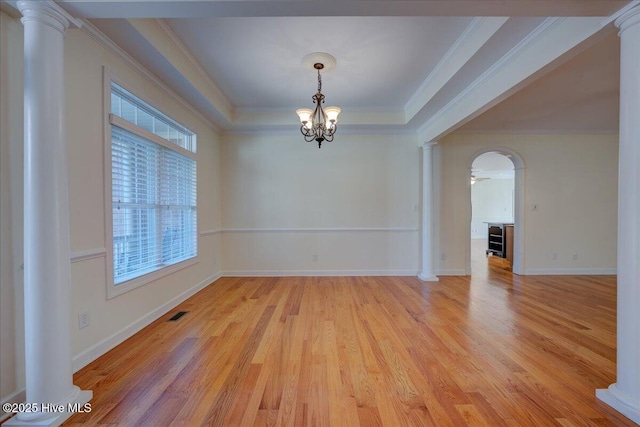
496	242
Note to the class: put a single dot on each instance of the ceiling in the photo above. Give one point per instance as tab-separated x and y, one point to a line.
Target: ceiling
581	95
425	67
381	61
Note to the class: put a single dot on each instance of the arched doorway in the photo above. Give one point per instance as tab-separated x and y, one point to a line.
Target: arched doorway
518	205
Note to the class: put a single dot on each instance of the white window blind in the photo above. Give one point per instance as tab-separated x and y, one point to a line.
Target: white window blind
154	203
136	111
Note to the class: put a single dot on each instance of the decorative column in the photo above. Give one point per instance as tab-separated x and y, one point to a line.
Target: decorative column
47	269
427	273
624	395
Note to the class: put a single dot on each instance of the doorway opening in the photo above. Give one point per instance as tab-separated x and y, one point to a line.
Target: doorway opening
496	208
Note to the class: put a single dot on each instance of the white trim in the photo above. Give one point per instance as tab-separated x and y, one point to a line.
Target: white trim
443	64
619	13
92	353
19	396
570	271
320	230
88	254
211	232
104	41
114	290
519	49
312	273
620	401
452	272
143	133
168	31
110	120
107	177
73	22
535	132
479	31
344	129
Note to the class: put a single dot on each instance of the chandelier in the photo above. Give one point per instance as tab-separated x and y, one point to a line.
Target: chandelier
319	124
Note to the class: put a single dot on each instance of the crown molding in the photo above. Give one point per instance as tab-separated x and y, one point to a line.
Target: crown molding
550	44
621	12
193	61
294	129
355	116
518	50
108	44
534	132
476	34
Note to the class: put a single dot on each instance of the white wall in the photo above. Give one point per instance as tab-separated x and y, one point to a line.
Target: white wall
353	203
11	201
85	118
115	319
491	201
572	179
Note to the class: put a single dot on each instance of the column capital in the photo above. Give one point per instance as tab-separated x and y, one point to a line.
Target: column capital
47	13
628	16
428	145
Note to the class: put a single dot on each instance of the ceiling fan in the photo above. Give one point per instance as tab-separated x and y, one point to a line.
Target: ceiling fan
474	179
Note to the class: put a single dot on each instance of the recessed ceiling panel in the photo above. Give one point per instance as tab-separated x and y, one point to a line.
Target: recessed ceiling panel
381	61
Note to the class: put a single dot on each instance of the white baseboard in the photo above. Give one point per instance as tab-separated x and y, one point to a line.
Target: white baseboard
570	271
431	278
279	273
19	396
627	405
452	272
92	353
544	272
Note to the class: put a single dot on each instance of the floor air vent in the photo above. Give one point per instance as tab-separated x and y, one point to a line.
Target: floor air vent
177	316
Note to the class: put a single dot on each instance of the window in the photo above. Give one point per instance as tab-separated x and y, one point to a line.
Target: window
153	188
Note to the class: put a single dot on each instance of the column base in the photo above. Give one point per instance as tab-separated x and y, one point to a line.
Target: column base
621	402
54	414
427	278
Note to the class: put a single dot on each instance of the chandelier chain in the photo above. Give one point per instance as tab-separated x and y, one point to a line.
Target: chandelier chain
319	82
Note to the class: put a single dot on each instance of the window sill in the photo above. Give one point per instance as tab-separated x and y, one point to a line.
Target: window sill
124	287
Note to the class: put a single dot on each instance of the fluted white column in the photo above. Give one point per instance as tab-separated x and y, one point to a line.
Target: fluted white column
624	395
427	273
47	270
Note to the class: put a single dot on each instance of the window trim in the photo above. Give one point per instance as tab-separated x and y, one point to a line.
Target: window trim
110	120
130	127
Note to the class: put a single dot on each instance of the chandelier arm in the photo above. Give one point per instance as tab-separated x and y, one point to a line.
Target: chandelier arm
329	137
307	134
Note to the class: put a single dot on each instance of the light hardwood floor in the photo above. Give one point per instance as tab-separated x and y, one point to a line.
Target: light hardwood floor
490	350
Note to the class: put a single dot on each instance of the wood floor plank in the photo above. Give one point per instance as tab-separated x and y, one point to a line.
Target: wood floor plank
492	349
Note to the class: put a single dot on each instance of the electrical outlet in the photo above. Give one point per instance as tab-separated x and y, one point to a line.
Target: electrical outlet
83	320
575	257
315	258
554	256
443	257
